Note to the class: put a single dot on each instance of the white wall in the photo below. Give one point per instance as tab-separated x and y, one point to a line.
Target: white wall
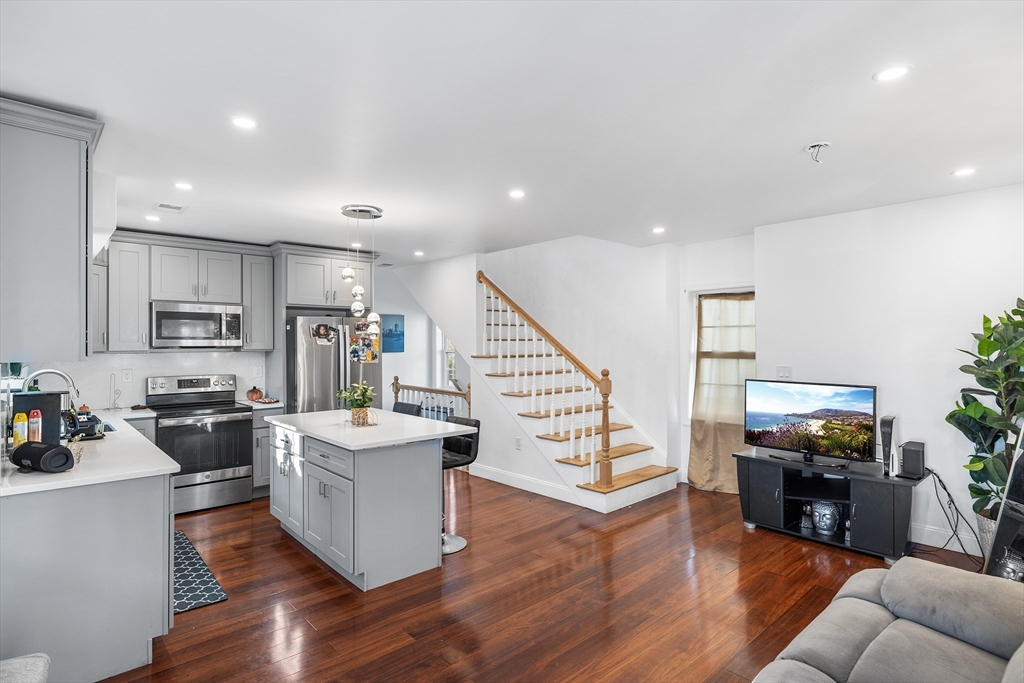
450	285
886	297
413	366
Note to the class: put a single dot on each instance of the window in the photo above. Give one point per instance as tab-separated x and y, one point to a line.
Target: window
444	365
449	362
724	361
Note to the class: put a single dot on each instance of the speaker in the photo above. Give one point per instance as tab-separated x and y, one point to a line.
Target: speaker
885	426
42	457
912	463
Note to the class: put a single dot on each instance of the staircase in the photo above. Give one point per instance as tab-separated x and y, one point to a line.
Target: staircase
567	406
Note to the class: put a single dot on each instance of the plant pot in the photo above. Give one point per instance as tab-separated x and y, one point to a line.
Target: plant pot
986	532
361	417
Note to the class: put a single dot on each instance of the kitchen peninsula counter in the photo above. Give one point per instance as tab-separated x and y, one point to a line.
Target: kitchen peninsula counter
86	557
365	500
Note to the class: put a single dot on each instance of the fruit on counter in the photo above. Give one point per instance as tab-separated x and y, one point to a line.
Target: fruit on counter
139	406
82	408
254	394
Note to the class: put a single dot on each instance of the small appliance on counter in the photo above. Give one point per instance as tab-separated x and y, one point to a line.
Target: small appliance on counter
42	457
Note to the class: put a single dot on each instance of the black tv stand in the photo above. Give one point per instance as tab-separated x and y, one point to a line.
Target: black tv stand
773	495
809	459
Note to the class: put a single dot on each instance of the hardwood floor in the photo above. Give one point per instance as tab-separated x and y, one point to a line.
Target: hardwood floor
670	589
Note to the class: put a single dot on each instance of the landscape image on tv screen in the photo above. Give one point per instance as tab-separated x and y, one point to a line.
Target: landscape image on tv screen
818	418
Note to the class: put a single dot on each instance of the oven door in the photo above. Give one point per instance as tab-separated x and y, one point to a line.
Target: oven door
208	447
196	325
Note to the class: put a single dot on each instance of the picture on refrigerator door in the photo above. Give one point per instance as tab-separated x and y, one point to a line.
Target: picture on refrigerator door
392	333
363	348
324	335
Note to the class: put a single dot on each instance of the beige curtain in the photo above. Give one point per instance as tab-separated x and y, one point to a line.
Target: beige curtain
725	359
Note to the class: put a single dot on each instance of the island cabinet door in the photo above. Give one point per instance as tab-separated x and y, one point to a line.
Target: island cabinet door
340	546
316	522
279	483
295	494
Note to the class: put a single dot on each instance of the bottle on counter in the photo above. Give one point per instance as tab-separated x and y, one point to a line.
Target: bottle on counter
35	425
20	429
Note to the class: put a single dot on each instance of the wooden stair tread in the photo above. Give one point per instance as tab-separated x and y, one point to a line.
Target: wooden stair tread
546	392
515	355
527	374
616	452
621	481
590	407
612	427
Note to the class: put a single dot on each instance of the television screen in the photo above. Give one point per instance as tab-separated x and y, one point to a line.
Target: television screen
826	419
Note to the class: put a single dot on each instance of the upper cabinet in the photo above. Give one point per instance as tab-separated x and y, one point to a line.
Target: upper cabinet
44	233
318	281
178	274
128	297
98	310
257	303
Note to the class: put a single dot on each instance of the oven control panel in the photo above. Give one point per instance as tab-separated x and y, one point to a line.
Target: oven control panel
189	384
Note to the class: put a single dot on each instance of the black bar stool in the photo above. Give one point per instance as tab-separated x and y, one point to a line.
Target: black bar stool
408	408
456	451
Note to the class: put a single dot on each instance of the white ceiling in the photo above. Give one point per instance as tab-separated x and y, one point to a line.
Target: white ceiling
613	117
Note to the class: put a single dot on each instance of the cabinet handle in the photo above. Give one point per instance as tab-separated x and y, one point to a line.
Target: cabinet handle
853	512
143	337
327	296
206	289
776	495
103	336
335	296
327	490
323	455
246	337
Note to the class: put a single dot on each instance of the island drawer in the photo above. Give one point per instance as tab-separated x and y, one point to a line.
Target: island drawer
285	440
330	457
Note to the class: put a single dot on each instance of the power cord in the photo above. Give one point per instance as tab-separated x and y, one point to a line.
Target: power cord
953	517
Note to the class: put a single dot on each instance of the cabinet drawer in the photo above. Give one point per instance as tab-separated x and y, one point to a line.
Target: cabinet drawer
285	440
259	415
331	458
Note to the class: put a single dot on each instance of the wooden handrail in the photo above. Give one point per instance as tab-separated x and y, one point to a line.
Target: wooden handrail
397	387
593	376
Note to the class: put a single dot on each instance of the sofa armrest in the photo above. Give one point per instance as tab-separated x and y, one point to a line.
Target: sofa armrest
984	611
790	671
866	585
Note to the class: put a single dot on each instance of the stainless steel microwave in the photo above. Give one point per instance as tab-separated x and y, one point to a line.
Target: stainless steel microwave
196	326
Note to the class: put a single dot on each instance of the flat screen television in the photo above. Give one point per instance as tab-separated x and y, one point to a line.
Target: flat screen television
836	420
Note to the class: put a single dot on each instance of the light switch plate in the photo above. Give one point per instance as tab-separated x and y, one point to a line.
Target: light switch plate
783	372
126	375
519	443
257	371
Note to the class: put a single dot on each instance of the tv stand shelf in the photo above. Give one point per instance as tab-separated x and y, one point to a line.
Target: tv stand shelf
773	492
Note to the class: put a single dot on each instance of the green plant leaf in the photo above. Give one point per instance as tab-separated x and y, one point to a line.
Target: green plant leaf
986	325
977	392
975	466
986	347
977	491
981	503
996	469
975	410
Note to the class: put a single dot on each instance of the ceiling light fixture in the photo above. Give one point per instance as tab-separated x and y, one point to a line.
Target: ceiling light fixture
960	173
658	230
418	253
155	219
356	245
183	186
516	194
243	122
892	73
370	213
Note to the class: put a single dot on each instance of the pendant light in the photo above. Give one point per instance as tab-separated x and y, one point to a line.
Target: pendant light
347	274
367	212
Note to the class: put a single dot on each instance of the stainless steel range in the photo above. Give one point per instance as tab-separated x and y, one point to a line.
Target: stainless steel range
200	425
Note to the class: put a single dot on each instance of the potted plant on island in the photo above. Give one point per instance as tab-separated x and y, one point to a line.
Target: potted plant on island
358	398
993	422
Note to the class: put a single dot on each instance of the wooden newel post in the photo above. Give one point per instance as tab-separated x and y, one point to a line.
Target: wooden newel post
469	400
396	387
605	467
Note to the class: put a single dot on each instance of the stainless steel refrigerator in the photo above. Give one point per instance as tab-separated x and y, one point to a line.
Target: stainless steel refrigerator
319	364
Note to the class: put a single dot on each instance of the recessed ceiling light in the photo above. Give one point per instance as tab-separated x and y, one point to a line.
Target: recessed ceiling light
962	172
418	253
155	219
516	194
357	244
183	186
658	230
892	73
243	122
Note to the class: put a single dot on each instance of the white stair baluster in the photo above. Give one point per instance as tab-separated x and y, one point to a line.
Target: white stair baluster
551	396
495	337
572	417
533	375
484	319
583	420
561	417
491	317
515	376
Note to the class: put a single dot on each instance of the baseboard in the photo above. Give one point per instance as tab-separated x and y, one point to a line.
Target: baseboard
520	481
936	536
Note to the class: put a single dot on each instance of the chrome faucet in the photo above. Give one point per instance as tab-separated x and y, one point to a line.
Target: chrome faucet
63	375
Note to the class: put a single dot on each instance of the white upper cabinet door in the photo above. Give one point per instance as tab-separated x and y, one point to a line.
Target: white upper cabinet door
128	297
309	280
175	274
220	277
258	303
98	310
341	294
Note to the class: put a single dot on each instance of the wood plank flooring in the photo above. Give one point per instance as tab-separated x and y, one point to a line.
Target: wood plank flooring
671	589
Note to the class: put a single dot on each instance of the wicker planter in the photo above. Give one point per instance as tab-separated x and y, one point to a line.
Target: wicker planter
361	417
986	532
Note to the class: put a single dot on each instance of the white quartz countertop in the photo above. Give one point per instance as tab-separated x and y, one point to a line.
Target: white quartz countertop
335	427
122	454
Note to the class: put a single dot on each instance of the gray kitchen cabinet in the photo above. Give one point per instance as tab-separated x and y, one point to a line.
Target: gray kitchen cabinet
44	232
341	295
128	297
220	277
329	522
174	274
278	483
286	488
98	310
146	425
261	457
309	281
257	303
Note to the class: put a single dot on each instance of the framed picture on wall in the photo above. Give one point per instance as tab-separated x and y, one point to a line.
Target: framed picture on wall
392	333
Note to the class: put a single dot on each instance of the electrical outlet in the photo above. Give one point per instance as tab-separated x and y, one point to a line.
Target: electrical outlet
257	371
519	443
126	375
783	372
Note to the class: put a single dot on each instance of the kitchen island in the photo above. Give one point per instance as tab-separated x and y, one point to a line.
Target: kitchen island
86	557
365	500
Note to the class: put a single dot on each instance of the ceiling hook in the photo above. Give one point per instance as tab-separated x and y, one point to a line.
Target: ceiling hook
815	149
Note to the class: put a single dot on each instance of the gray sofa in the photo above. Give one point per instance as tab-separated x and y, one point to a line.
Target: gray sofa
918	621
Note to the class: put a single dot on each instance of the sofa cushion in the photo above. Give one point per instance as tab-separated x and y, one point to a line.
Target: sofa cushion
1015	667
837	637
984	611
908	651
25	669
866	585
790	671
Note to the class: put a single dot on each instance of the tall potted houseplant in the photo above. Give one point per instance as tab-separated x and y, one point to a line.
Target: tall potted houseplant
991	414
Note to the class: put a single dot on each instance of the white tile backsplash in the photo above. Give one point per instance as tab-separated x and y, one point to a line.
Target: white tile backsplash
92	376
